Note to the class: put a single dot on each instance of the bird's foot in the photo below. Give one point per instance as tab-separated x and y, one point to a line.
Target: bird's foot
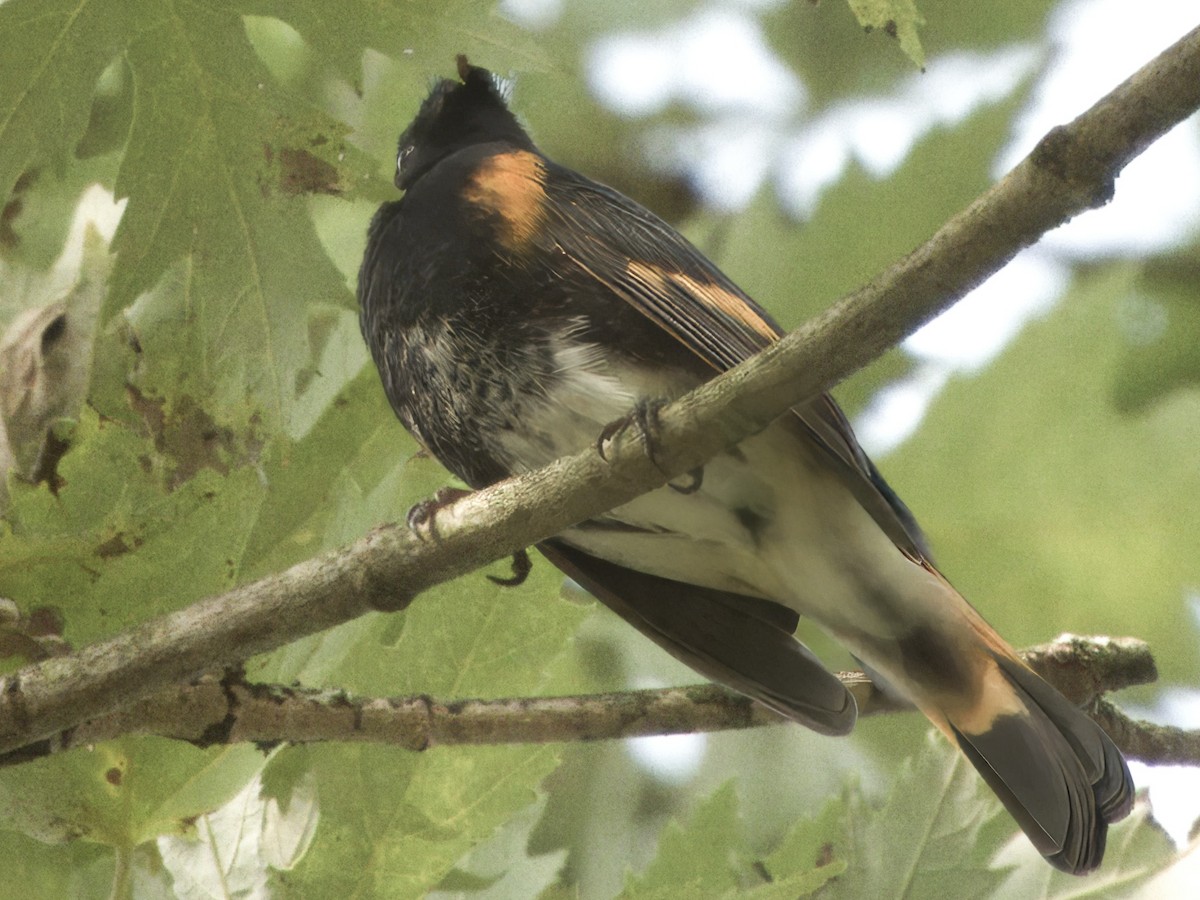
645	417
422	517
522	565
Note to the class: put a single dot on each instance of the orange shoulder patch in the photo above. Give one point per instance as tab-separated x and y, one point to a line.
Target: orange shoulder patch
512	188
711	295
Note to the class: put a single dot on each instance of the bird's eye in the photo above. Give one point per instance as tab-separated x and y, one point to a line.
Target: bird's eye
402	157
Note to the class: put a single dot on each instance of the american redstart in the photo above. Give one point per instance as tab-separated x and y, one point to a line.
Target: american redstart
516	308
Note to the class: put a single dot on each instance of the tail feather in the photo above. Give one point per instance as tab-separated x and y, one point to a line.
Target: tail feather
1056	771
1105	766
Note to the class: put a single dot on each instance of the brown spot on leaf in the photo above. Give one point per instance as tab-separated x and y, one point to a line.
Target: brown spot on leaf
44	621
15	643
186	436
118	545
114	776
13	208
303	173
53	450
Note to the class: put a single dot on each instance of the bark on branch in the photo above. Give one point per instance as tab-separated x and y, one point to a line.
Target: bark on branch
231	710
1073	169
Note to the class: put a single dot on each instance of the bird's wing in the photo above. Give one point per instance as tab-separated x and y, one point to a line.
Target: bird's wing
739	641
636	256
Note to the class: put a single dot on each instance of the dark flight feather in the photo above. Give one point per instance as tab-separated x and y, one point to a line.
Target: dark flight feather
742	642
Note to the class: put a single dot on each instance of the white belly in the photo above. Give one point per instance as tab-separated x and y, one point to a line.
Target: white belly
770	520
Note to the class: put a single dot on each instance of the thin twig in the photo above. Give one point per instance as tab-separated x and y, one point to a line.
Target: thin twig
231	710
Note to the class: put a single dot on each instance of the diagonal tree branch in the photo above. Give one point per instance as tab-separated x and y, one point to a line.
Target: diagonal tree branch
1072	169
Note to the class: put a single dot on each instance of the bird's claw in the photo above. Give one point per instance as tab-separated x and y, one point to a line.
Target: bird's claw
422	517
645	417
522	565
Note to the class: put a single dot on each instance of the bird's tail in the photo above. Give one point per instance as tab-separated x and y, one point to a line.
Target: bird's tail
1055	770
1060	776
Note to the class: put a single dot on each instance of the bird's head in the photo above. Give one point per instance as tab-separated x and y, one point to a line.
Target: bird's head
455	115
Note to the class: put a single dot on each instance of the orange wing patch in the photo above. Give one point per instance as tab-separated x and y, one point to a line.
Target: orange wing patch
714	296
512	188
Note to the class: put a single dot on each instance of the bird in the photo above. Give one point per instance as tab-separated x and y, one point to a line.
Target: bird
516	309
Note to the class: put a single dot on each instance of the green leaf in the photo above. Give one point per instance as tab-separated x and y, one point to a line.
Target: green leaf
811	853
35	870
115	547
394	823
502	868
933	837
896	18
54	51
707	856
123	792
201	171
354	445
425	36
941	833
1160	322
699	859
926	839
798	884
